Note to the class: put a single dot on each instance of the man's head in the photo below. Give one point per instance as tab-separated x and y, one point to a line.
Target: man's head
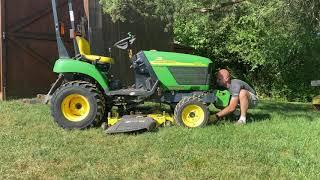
223	78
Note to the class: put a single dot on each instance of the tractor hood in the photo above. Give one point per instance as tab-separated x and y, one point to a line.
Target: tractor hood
158	58
178	71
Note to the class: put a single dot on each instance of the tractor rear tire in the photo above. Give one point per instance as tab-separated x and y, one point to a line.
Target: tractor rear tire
191	112
77	105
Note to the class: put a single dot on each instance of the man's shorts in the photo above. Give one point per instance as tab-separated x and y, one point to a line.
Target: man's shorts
253	100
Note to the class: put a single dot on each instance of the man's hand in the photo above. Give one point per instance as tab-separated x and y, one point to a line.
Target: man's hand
214	118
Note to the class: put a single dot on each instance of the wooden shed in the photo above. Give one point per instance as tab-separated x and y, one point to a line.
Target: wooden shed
28	48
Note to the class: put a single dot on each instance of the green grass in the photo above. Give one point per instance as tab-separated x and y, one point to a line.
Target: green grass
281	141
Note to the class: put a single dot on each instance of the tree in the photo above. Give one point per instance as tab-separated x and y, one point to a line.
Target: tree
166	10
269	43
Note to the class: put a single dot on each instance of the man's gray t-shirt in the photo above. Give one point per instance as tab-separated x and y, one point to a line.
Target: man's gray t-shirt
237	85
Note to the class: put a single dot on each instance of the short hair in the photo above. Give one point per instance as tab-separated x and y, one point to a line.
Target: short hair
223	73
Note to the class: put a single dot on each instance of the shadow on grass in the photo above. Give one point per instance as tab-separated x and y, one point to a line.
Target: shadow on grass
258	117
251	118
284	107
150	109
134	133
304	117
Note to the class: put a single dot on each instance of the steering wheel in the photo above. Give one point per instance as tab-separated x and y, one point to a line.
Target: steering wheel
126	42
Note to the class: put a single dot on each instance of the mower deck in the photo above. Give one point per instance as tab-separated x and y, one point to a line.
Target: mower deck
132	123
136	123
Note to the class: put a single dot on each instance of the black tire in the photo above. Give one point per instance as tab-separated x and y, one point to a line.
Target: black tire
316	107
93	99
316	103
198	120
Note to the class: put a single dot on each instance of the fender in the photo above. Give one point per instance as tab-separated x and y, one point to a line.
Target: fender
76	66
223	98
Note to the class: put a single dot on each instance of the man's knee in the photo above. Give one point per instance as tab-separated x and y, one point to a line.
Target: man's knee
244	94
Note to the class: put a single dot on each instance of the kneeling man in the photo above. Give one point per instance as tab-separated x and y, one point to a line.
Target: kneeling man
241	94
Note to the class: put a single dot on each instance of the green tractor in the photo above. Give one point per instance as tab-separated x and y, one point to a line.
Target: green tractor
84	93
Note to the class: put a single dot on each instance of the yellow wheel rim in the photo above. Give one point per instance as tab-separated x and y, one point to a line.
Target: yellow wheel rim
75	107
193	116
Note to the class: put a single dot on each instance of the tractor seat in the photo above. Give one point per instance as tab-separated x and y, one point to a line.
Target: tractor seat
85	51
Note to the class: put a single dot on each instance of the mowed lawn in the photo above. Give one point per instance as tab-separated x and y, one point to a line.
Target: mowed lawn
281	141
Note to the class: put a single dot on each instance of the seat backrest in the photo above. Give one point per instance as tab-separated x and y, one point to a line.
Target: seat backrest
83	45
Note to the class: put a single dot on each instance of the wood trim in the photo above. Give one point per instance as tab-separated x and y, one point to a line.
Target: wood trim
86	8
2	52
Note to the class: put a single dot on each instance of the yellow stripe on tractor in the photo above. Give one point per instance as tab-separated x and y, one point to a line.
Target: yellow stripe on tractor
175	63
162	118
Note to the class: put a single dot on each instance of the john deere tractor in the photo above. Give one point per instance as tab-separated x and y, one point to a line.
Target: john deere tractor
84	93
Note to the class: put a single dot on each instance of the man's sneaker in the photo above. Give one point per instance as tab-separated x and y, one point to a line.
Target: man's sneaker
240	122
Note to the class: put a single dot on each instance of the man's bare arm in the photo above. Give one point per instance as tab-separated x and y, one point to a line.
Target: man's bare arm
229	109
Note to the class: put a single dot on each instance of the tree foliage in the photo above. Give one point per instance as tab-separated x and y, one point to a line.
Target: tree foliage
273	44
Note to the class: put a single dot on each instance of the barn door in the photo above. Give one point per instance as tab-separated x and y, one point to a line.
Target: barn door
30	45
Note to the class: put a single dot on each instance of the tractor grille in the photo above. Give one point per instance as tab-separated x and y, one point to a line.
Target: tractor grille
190	75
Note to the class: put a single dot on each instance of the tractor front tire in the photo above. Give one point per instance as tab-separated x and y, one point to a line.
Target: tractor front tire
191	112
77	105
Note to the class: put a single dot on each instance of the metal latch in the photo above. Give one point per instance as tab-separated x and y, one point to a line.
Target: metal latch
4	35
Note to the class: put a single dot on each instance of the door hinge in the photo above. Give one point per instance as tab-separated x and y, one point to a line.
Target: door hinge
4	35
